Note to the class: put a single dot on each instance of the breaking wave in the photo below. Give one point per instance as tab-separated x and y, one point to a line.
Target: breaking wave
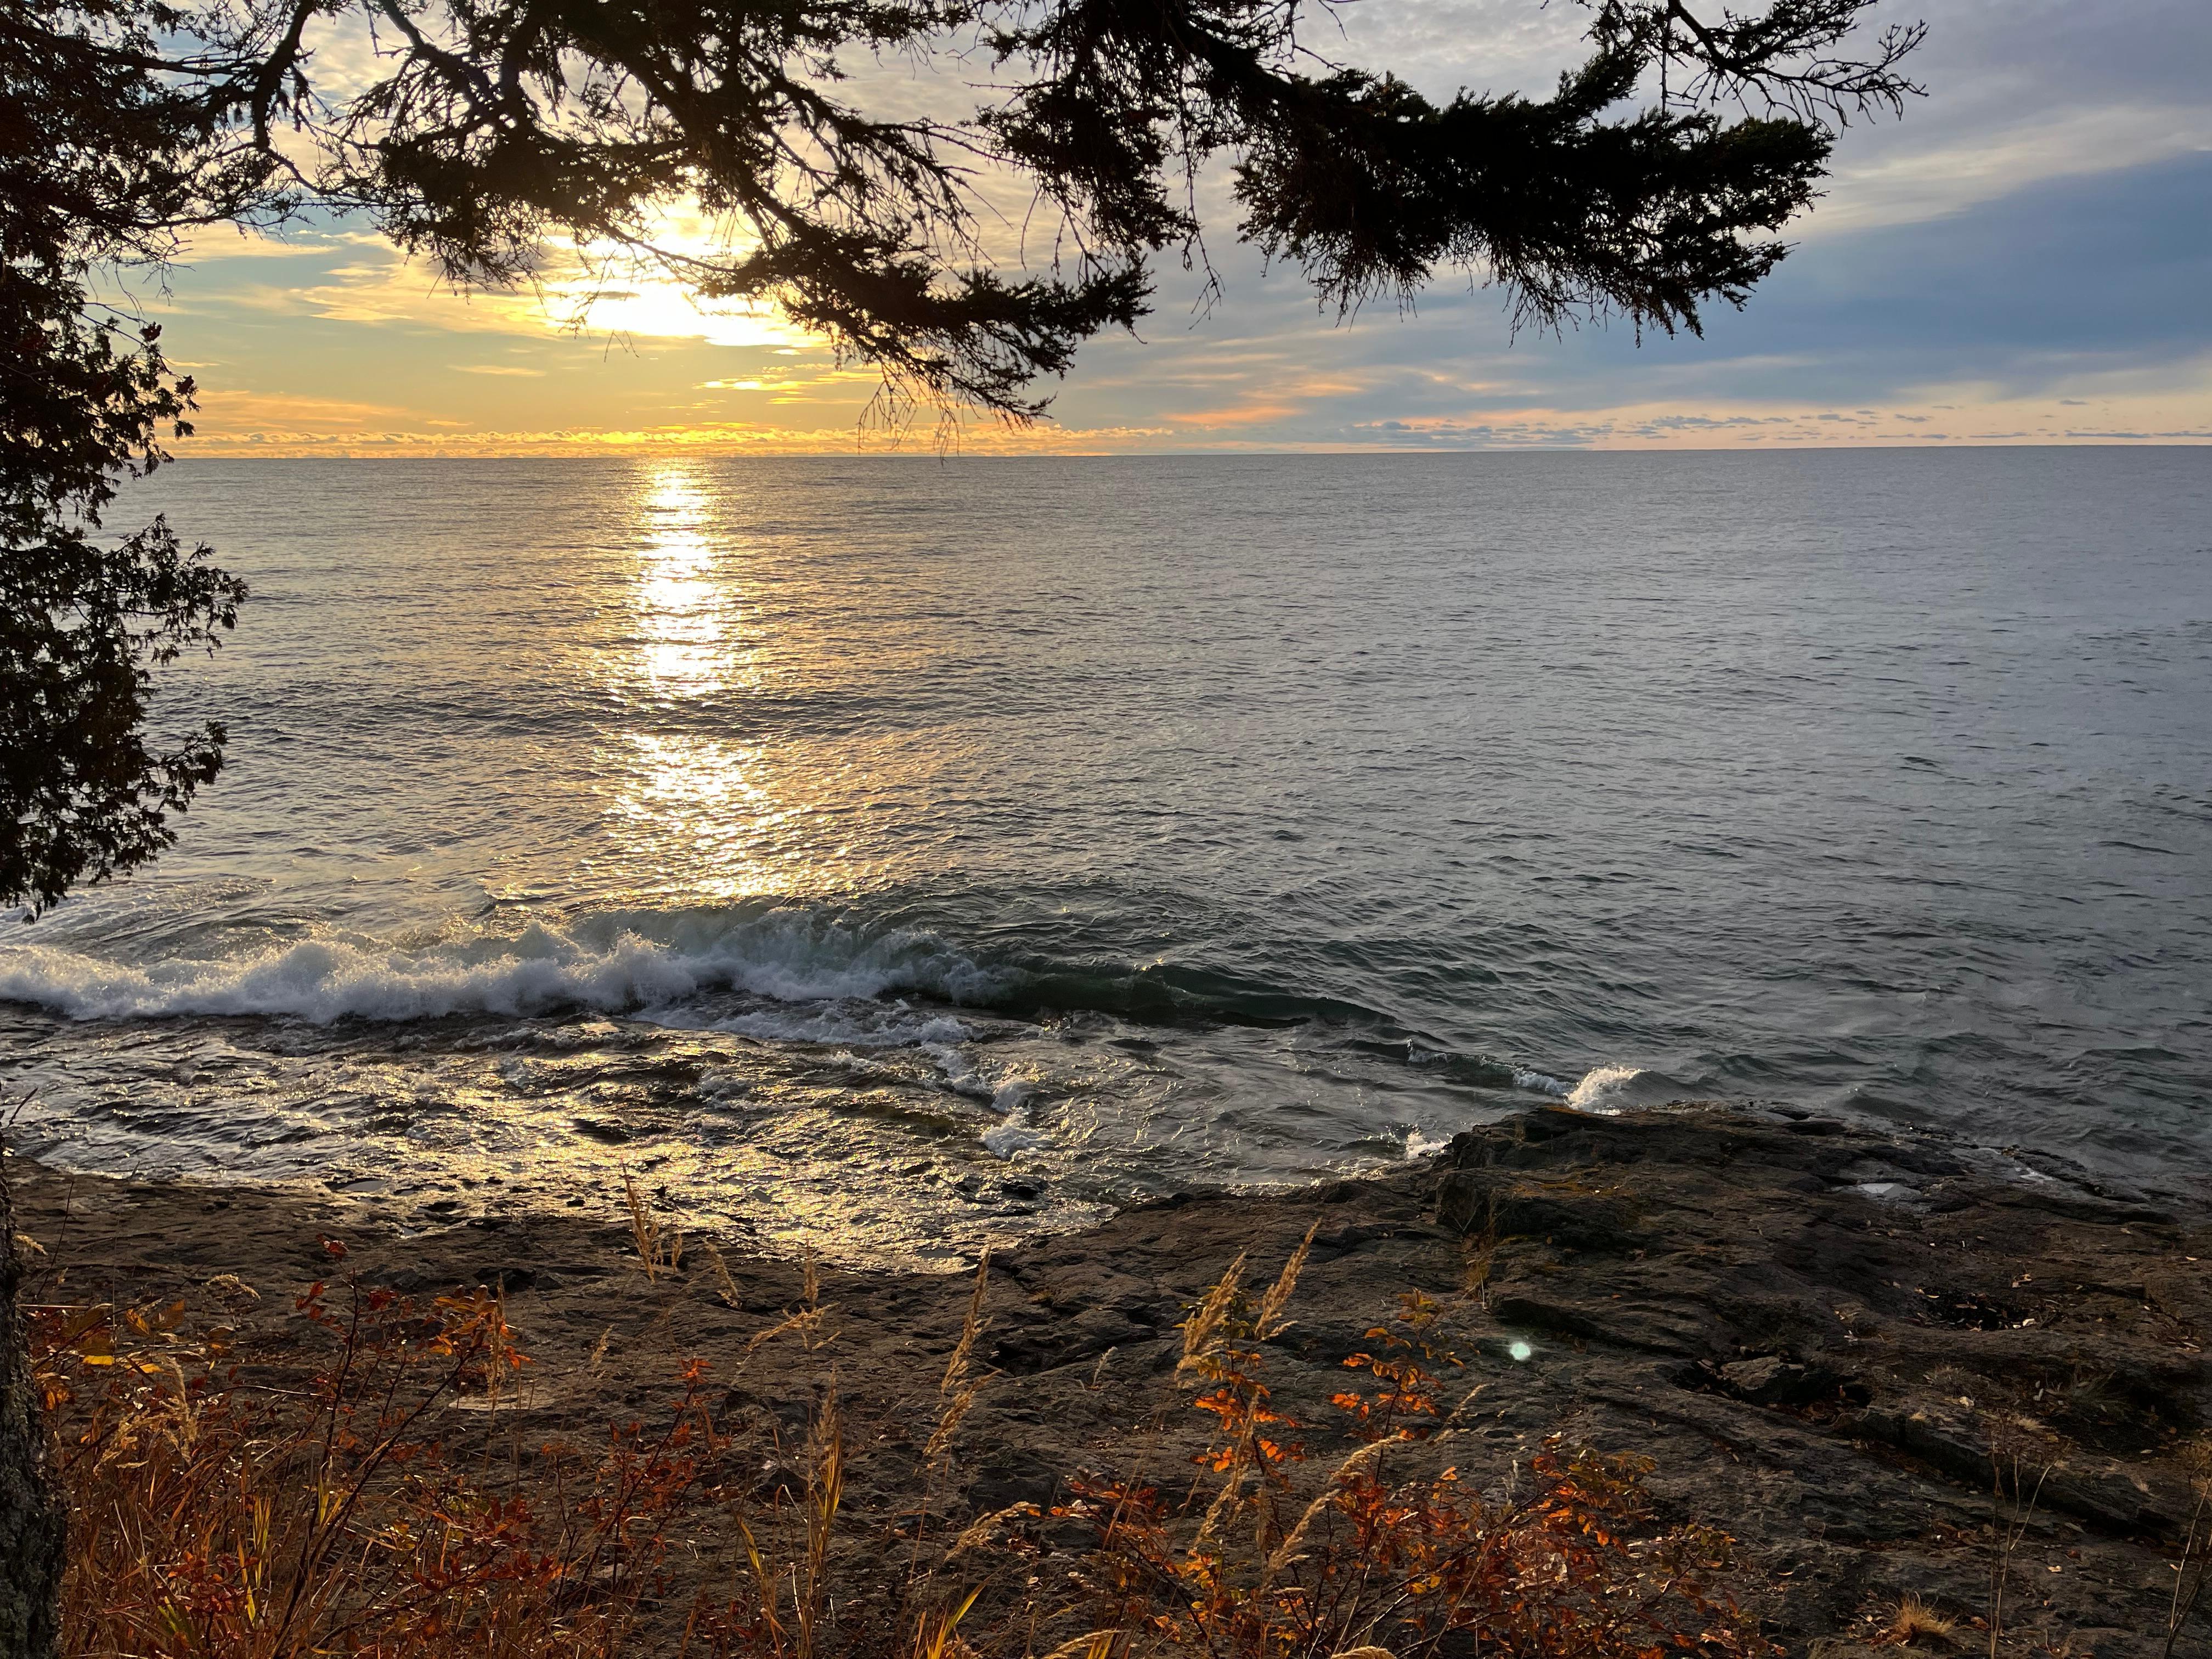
809	974
612	962
1611	1089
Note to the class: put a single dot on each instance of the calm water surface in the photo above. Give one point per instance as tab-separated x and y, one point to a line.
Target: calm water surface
906	853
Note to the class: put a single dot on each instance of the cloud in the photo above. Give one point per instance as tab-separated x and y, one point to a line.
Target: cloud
226	414
706	438
2070	287
1902	184
364	280
1246	414
2062	283
2023	258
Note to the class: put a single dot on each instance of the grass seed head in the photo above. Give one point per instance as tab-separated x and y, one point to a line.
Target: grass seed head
1204	1333
1917	1621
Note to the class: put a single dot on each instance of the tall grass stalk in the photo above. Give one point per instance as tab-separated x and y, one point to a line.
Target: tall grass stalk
659	1247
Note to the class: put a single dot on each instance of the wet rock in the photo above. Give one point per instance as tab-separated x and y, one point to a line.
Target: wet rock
1080	1340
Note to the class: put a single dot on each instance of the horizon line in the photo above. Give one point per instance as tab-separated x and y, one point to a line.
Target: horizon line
349	451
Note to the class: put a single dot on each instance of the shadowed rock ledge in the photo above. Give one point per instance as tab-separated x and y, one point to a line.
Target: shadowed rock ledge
1831	1341
1838	1341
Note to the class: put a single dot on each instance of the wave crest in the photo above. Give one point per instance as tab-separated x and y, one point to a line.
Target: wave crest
613	961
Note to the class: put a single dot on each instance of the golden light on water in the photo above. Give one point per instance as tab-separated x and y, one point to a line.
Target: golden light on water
704	799
682	605
695	799
685	798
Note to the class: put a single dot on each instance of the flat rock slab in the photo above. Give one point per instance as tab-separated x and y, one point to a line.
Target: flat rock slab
1854	1347
1847	1348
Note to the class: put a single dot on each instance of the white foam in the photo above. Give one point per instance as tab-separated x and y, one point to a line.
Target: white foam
1540	1083
1604	1089
961	1075
1014	1134
612	962
1005	1140
723	1086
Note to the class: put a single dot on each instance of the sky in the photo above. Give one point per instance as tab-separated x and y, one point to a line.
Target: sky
2025	257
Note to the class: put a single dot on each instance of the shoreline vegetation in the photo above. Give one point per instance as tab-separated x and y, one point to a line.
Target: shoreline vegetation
1695	1379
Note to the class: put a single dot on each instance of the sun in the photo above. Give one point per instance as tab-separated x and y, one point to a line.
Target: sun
610	289
652	307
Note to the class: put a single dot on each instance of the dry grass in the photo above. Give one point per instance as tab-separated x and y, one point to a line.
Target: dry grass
1917	1622
2022	1455
216	1518
957	1389
808	1320
791	1596
1391	1550
2196	1562
1478	1256
659	1247
728	1289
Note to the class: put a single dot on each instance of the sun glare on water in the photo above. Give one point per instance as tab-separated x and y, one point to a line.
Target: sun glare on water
698	804
680	603
683	793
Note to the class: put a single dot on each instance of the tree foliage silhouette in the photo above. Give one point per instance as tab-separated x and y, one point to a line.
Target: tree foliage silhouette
484	127
104	161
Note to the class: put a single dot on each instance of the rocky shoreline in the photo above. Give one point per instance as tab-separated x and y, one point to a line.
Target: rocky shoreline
1843	1347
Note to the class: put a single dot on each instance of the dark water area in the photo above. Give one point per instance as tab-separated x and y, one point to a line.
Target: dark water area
904	852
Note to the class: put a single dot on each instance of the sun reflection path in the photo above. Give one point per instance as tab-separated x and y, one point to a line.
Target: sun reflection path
702	806
679	602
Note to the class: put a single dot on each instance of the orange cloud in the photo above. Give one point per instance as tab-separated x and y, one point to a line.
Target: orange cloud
1246	414
228	415
711	438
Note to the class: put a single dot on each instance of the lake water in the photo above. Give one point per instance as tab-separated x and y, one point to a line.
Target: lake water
899	853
